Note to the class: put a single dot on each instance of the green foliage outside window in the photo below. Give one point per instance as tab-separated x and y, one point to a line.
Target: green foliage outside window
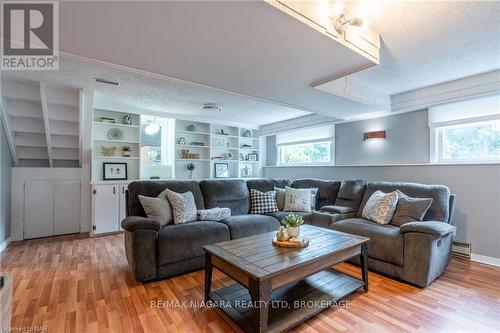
472	142
306	153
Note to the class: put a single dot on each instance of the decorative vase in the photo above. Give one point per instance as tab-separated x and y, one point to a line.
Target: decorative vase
126	153
293	231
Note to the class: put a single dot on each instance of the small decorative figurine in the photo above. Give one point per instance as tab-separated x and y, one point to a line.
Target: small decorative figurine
282	234
127	120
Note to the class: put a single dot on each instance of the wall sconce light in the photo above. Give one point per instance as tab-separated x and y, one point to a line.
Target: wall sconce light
374	135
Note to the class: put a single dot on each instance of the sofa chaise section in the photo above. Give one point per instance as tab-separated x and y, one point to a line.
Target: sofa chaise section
416	252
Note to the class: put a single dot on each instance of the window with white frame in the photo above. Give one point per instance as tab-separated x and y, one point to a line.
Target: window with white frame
466	131
310	146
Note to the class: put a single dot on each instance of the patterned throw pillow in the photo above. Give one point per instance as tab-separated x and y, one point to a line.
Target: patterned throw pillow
183	206
281	195
410	209
157	208
214	214
297	200
263	203
380	207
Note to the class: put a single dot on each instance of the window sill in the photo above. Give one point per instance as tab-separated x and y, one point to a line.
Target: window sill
385	165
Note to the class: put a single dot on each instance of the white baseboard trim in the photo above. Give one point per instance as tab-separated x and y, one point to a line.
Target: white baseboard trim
485	259
6	243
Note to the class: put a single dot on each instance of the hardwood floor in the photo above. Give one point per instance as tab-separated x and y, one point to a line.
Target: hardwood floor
81	284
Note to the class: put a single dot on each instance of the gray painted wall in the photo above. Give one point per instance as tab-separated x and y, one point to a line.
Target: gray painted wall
271	150
407	140
477	212
5	185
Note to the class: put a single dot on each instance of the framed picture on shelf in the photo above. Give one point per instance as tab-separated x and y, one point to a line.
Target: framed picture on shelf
221	170
114	171
253	157
220	142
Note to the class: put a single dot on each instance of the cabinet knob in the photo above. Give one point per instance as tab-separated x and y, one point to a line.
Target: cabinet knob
114	190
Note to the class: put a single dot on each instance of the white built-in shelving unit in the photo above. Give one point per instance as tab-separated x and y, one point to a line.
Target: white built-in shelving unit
216	144
131	138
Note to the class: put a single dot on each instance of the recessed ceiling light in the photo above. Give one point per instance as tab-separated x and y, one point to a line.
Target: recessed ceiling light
210	107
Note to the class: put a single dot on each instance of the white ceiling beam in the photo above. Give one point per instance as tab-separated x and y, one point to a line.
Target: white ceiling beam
8	132
46	122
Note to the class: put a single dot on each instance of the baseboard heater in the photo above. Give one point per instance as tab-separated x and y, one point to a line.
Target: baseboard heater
461	249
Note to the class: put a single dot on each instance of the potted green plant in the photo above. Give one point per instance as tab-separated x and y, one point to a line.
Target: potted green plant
293	223
126	151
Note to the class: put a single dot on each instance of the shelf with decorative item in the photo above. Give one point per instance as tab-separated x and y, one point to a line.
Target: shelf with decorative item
100	157
191	146
224	161
115	124
192	132
193	159
118	141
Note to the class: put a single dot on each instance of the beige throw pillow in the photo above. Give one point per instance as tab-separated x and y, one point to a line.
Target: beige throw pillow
297	200
183	206
380	207
157	208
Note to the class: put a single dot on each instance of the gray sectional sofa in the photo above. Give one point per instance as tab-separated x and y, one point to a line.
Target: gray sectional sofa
416	252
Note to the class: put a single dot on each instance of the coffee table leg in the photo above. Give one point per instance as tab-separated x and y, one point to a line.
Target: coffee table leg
260	292
208	274
363	259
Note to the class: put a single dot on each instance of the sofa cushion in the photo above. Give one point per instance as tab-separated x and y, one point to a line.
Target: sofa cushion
386	241
281	215
228	193
248	225
337	209
410	209
177	242
350	193
327	190
440	194
281	196
150	188
267	184
214	214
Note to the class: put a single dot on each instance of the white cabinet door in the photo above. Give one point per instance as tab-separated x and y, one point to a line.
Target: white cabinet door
123	205
66	207
105	208
38	208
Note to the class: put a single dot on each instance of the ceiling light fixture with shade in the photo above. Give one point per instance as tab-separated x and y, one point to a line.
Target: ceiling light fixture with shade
342	19
152	128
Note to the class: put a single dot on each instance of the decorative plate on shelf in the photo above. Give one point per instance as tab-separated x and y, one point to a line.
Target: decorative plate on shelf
115	134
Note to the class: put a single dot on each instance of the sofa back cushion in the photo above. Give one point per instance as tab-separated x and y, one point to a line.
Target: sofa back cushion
150	188
227	193
267	184
327	189
440	194
350	194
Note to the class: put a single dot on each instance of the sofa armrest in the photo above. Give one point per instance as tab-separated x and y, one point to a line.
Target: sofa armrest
433	228
132	223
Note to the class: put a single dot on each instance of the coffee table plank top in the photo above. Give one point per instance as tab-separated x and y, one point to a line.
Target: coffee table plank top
257	256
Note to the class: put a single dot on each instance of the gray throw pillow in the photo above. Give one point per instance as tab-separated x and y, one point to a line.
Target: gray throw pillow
183	206
157	208
410	209
214	214
280	197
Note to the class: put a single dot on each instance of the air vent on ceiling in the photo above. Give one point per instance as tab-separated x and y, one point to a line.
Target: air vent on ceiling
106	81
211	107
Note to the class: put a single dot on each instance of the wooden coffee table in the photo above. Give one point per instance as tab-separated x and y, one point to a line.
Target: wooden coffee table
278	288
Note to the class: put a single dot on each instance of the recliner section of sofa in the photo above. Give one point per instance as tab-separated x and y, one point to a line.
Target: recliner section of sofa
415	252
